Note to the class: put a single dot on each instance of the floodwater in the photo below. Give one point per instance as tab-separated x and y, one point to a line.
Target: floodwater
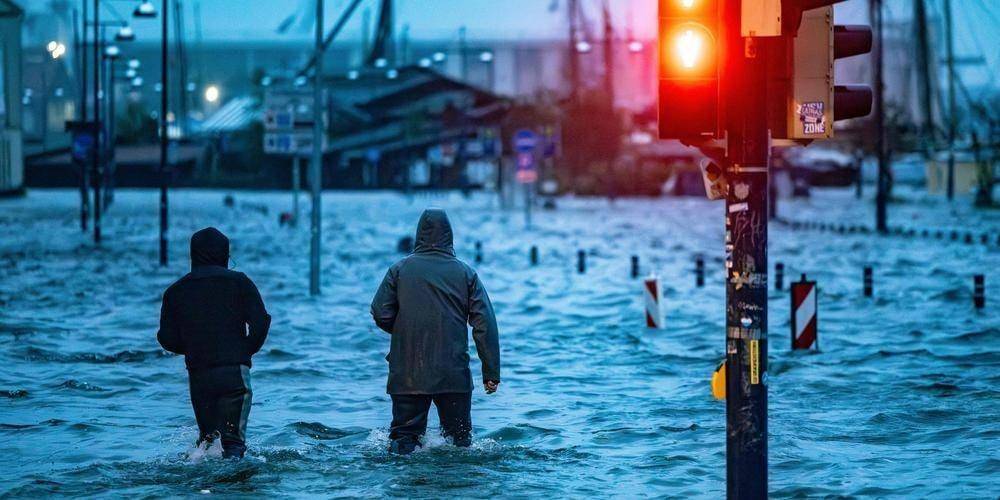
902	400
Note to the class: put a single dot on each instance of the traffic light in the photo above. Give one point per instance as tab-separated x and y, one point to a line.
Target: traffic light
690	45
806	98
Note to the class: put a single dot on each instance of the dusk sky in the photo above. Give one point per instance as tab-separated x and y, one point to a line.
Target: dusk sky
977	22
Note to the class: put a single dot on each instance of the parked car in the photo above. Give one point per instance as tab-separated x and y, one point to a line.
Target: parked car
819	166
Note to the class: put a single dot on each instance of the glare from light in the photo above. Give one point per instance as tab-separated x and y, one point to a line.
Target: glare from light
392	74
425	62
381	62
133	63
583	46
158	87
212	93
137	81
687	4
145	9
130	73
486	56
265	81
353	74
439	57
191	87
689	47
300	81
635	46
55	49
112	51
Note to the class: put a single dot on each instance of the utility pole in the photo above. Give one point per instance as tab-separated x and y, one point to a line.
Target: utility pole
316	168
164	137
609	54
882	195
952	112
574	62
81	53
746	268
96	164
463	53
924	72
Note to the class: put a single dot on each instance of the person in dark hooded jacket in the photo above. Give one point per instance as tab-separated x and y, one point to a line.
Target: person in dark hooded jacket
216	319
426	302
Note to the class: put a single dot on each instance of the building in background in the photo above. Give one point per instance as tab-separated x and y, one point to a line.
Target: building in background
11	156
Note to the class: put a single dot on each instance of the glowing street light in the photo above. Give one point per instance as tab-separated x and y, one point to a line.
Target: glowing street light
486	56
131	73
211	93
425	62
583	47
392	74
145	9
133	63
125	34
635	46
381	62
439	57
112	52
353	74
137	82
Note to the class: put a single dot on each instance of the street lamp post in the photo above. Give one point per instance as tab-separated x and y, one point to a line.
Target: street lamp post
163	131
316	169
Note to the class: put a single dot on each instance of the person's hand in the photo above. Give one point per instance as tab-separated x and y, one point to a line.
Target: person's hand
491	386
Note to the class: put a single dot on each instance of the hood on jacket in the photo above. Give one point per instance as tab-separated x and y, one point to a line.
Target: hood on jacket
434	232
209	247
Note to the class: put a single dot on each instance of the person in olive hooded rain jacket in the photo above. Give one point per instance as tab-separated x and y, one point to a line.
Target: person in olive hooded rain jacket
426	302
215	318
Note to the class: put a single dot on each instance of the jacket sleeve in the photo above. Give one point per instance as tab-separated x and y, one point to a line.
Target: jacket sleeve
484	329
255	316
385	304
168	336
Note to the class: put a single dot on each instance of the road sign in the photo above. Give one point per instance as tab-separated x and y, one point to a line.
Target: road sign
526	169
525	141
296	142
288	121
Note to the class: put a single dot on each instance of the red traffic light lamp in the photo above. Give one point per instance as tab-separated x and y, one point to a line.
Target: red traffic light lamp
689	48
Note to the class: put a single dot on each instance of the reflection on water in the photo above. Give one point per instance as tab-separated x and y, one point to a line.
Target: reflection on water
900	402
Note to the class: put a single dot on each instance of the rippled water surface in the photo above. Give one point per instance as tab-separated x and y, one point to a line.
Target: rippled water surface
902	400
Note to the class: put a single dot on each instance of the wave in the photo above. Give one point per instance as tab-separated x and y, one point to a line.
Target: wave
128	356
14	394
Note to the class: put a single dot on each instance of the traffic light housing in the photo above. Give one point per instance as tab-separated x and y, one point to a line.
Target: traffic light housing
805	101
689	48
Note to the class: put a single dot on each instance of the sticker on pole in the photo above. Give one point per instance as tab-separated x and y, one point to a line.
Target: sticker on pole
812	117
804	308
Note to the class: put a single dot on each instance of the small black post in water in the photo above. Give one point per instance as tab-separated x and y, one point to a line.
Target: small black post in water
533	254
779	276
869	282
979	291
635	266
581	261
479	252
699	271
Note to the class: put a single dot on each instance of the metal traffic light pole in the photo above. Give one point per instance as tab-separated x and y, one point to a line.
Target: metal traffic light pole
747	165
